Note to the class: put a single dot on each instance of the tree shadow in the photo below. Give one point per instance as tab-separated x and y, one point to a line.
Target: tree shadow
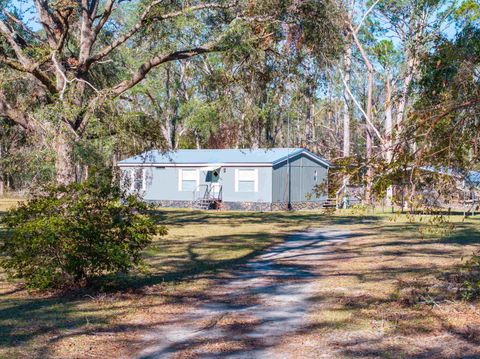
44	321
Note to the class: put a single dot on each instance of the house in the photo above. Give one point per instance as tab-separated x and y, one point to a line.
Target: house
237	179
465	190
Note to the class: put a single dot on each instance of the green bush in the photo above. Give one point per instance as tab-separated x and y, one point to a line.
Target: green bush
71	234
470	287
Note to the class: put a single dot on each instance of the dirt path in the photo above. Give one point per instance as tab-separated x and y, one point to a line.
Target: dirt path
249	313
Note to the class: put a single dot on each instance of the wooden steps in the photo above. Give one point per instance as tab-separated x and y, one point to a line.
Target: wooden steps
203	203
330	203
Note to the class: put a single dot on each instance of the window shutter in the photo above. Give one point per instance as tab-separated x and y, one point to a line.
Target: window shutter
180	179
144	179
236	179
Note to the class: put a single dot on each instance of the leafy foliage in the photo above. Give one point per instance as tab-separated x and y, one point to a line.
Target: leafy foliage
446	121
471	274
70	234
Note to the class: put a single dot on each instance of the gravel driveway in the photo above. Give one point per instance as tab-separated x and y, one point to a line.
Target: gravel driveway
254	308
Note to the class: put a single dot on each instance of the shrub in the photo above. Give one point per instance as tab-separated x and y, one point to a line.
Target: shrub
470	288
71	234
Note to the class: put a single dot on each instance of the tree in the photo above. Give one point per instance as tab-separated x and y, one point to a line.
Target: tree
69	71
446	117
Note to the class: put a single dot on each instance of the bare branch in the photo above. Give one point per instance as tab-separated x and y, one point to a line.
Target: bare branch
362	110
105	16
370	9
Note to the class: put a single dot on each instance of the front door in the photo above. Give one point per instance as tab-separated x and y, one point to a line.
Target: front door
213	177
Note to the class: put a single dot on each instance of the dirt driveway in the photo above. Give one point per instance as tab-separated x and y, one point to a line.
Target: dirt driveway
249	313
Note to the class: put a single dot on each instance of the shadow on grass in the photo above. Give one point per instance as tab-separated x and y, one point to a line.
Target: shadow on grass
236	218
64	316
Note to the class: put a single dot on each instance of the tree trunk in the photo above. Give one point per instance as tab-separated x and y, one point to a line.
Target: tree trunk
347	63
369	125
403	98
388	131
309	122
64	164
369	137
2	183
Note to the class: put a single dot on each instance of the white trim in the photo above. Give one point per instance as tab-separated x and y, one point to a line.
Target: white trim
198	181
132	179
180	179
211	167
312	156
144	179
228	164
236	179
179	175
199	165
255	179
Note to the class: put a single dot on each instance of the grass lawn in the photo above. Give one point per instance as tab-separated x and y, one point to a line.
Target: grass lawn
361	282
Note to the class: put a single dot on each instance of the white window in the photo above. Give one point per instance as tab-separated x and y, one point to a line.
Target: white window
188	180
138	182
246	180
315	176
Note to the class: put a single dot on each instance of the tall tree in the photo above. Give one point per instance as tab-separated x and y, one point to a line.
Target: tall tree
73	69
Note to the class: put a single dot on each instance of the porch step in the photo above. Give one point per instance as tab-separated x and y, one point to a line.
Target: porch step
330	203
203	203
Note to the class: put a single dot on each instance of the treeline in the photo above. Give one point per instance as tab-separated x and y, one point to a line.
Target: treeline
375	86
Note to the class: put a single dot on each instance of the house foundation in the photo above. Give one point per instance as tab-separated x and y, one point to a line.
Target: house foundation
245	206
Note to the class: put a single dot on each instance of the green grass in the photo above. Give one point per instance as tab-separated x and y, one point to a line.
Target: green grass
180	268
197	246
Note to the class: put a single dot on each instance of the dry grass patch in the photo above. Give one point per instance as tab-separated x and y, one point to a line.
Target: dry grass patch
386	293
180	269
363	305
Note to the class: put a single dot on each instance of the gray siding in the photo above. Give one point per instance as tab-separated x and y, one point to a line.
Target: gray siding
162	184
302	182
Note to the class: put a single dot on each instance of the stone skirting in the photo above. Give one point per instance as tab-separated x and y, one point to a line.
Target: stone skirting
297	206
170	204
244	206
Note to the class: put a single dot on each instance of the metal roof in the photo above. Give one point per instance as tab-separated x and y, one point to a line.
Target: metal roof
220	156
471	177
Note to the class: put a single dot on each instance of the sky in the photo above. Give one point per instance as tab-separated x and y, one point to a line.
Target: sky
26	7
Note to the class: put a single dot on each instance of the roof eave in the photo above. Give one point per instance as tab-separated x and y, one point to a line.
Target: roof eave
306	152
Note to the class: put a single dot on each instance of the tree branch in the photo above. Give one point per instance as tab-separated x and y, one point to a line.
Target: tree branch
48	20
145	16
9	35
357	29
146	67
362	110
31	69
20	23
104	17
13	115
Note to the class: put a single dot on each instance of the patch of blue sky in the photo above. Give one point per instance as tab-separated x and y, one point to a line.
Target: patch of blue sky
26	10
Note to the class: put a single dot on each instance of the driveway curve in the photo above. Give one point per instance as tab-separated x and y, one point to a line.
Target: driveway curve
252	310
